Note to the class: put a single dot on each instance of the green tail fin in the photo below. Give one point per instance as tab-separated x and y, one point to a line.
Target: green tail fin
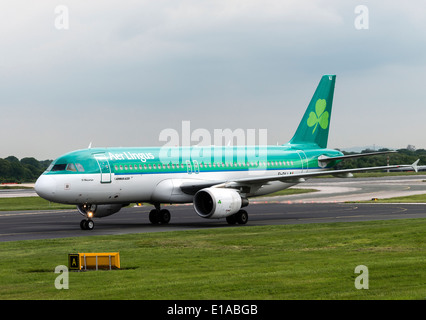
313	129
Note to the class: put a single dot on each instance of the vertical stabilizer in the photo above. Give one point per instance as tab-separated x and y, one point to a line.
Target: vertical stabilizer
313	129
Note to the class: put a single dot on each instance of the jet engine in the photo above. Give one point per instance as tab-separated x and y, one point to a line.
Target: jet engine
216	203
98	210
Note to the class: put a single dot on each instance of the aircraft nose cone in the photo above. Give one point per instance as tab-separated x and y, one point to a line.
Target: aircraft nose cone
45	187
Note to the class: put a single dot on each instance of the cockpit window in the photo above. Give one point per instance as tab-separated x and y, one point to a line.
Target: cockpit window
80	168
71	167
68	167
59	167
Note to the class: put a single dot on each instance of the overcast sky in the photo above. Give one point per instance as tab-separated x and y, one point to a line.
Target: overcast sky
122	71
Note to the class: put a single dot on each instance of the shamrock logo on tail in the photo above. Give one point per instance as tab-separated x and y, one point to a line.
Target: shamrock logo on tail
320	116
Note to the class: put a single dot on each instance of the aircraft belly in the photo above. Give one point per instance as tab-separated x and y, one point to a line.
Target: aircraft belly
271	187
168	191
134	188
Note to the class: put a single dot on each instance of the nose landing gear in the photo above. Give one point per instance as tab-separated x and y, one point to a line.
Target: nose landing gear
87	224
87	211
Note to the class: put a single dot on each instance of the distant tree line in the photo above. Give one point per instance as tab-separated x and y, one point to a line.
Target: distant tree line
13	170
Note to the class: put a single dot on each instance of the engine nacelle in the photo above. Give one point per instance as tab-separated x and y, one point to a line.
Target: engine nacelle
216	203
98	210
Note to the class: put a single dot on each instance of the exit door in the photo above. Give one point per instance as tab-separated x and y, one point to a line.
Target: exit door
303	160
192	169
104	167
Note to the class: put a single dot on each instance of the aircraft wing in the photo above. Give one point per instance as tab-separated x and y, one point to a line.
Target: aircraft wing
324	160
192	187
298	176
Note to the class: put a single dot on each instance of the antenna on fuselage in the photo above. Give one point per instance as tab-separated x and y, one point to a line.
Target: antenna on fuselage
90	146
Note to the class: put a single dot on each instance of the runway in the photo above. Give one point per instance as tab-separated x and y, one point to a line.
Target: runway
59	224
323	206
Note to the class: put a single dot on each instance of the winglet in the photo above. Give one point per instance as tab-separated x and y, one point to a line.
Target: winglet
414	165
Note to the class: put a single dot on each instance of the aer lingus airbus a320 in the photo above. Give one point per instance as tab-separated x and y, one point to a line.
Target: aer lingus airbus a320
218	180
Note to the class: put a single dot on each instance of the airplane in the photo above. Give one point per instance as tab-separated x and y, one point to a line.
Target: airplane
218	180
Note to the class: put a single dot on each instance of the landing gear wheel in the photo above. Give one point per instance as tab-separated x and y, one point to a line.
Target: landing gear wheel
154	216
241	217
164	216
90	224
159	216
231	219
87	224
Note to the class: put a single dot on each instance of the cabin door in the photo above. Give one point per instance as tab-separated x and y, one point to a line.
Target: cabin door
303	161
104	166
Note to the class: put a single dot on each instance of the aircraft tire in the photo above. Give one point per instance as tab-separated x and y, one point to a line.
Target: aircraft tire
90	224
164	216
87	224
242	217
154	216
231	219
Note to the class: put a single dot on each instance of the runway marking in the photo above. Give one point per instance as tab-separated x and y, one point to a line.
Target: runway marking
34	213
358	216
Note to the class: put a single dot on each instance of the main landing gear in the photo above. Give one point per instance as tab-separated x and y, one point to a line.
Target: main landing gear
162	216
241	217
159	216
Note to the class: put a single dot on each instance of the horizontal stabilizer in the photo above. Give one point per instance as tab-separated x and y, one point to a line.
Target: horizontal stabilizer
415	165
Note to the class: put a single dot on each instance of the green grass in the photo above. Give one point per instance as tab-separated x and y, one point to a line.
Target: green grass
307	261
14	187
418	198
289	192
29	203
